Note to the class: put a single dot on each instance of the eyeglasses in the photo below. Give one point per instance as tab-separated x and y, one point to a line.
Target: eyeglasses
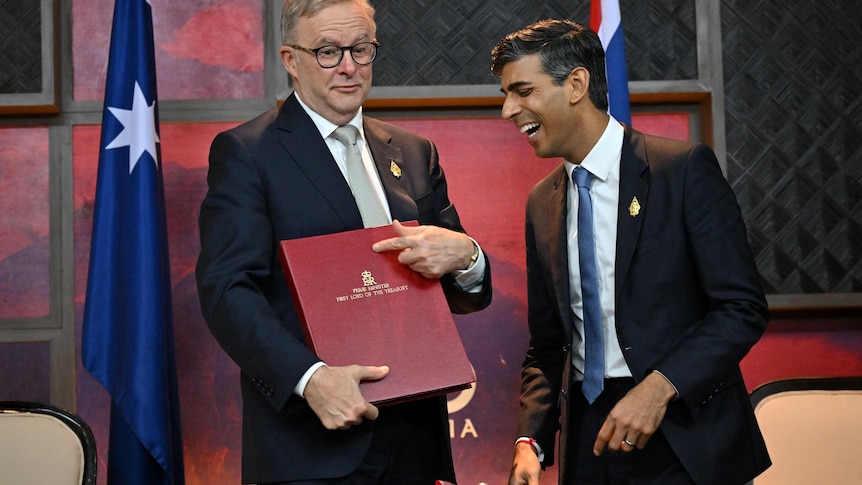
330	56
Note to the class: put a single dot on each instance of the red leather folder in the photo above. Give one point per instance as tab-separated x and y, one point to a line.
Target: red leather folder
361	307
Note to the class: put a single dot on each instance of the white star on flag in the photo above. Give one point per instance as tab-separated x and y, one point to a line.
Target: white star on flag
139	129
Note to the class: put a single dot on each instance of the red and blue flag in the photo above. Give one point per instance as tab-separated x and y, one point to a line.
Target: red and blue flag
605	19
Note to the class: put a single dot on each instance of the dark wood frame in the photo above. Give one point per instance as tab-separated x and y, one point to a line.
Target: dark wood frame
700	102
47	101
815	305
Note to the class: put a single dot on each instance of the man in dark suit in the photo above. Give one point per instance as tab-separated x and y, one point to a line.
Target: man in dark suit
284	176
677	293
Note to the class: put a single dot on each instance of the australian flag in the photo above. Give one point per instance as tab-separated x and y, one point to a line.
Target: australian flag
605	19
128	326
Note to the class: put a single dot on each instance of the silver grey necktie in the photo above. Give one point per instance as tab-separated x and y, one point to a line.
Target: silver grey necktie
372	212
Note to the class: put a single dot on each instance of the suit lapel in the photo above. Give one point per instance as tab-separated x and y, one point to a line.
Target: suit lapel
389	162
304	145
558	248
634	189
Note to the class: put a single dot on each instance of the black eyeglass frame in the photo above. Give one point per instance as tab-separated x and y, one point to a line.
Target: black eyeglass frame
375	45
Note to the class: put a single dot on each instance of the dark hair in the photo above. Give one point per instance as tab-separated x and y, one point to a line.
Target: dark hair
562	45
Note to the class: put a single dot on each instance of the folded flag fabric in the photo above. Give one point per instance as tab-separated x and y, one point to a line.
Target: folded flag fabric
605	19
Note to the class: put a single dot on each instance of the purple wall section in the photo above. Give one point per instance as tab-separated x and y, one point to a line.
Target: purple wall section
25	371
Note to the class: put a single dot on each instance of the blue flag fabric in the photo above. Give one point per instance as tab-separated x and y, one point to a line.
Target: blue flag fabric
128	325
606	21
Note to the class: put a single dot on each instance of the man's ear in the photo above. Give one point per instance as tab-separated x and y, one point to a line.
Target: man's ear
288	59
579	82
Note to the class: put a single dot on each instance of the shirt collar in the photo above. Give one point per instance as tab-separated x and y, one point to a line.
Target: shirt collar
326	127
604	154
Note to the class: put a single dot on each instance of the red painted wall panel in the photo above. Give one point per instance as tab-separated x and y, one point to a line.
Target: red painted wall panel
204	49
24	223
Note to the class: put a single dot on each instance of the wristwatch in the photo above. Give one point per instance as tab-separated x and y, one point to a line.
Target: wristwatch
474	257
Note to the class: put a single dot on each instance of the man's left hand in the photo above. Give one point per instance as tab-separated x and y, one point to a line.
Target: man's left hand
429	250
634	419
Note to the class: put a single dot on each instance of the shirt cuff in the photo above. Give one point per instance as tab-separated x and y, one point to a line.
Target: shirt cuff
470	279
675	390
299	390
534	444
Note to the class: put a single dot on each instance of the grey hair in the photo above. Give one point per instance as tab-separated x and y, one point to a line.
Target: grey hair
293	10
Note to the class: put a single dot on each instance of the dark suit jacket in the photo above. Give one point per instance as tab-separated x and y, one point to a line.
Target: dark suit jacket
688	303
270	179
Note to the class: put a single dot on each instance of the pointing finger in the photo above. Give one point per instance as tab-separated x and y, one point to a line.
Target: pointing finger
400	241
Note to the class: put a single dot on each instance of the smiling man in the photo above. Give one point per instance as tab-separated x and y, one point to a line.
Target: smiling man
643	295
315	166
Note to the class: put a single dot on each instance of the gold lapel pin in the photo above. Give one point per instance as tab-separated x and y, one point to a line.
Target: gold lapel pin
634	207
395	169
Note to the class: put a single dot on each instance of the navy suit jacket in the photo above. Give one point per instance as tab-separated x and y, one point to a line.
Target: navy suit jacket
688	303
270	179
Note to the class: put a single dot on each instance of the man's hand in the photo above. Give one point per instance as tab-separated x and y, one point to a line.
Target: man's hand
634	419
334	396
526	468
428	250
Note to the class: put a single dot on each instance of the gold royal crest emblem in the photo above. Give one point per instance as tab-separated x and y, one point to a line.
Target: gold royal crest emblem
395	169
634	207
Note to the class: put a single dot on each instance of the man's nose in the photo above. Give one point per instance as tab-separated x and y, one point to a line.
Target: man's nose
347	64
510	108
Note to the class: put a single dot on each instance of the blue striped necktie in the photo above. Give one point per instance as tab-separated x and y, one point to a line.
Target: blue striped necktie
594	358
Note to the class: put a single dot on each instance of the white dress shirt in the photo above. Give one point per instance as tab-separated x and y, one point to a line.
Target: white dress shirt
603	162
